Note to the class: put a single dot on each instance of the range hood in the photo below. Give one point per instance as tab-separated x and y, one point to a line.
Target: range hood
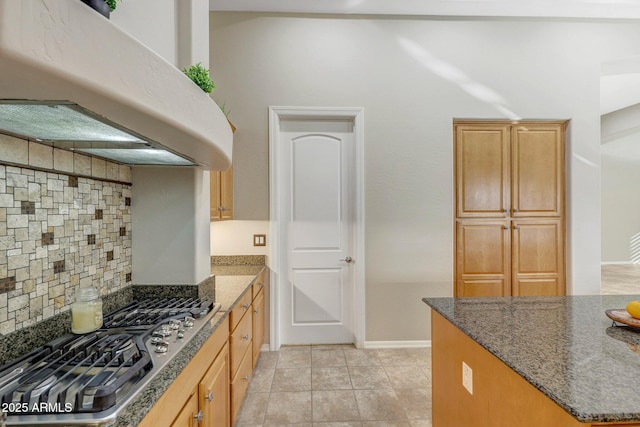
72	79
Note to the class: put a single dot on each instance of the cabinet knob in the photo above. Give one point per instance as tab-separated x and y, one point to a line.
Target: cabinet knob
198	417
515	227
256	311
246	337
245	306
506	227
516	210
245	378
505	210
210	396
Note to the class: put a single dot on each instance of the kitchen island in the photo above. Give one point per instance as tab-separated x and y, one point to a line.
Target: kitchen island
533	361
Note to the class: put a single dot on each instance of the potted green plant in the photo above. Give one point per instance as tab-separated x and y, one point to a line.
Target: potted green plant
103	7
200	76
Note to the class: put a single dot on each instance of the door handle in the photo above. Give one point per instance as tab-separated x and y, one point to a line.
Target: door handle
347	260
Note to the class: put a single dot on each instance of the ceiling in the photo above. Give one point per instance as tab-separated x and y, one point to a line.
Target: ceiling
614	9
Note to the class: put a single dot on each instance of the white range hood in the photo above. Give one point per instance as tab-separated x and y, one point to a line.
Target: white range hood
61	52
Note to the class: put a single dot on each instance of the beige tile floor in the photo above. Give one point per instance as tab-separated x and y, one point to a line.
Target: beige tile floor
339	386
620	279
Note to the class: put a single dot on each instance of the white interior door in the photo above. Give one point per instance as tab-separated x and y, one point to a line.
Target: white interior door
316	164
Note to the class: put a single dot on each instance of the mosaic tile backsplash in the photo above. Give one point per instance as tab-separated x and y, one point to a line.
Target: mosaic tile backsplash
57	232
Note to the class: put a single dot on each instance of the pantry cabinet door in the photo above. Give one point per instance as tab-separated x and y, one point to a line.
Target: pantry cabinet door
538	257
537	187
482	258
482	170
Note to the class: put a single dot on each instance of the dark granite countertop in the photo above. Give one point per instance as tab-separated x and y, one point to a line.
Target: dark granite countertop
564	346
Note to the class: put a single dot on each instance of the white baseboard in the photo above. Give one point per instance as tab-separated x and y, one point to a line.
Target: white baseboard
618	263
398	344
382	344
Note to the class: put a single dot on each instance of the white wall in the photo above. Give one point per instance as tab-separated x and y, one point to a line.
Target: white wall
236	237
621	200
170	224
413	76
152	22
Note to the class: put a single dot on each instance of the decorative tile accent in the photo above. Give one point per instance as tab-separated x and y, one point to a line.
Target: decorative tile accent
110	256
73	181
47	239
99	214
45	249
27	208
7	284
58	267
123	231
127	201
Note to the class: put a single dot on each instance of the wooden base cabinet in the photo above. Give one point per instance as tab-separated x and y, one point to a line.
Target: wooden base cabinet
189	416
500	398
213	392
509	209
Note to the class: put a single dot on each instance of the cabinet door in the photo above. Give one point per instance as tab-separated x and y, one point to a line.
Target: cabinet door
221	195
482	170
258	325
537	187
214	392
226	194
482	258
214	195
538	257
188	415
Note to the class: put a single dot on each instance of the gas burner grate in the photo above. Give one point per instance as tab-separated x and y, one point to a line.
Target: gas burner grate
150	312
75	373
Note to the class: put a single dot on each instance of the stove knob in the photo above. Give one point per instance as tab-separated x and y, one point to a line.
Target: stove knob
189	321
180	333
162	347
165	330
175	324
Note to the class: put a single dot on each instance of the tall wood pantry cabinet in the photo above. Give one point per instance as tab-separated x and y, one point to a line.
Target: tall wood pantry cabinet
510	220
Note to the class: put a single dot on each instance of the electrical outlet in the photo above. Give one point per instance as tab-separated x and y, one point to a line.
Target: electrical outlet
467	377
259	240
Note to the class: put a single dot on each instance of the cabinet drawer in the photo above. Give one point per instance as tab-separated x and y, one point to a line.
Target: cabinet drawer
242	306
240	383
258	285
240	341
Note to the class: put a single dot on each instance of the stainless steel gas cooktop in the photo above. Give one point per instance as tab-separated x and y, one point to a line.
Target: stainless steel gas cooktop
87	379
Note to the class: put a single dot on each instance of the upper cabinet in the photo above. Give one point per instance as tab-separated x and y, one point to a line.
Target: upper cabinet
505	170
221	195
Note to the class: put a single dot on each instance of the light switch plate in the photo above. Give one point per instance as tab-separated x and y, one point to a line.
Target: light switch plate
259	240
467	377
